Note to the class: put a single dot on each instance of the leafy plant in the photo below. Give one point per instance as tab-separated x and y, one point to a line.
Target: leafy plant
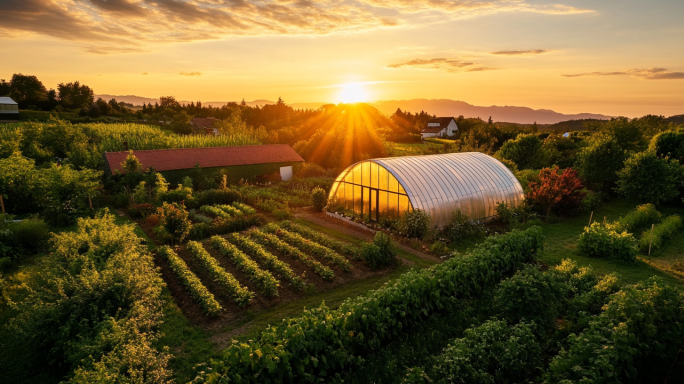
199	231
264	280
296	240
525	151
173	218
216	211
560	192
661	233
415	224
342	247
244	208
319	199
649	178
599	163
439	248
598	240
240	294
638	219
381	252
192	283
462	227
140	211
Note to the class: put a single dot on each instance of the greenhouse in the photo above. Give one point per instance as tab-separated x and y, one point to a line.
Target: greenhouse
438	184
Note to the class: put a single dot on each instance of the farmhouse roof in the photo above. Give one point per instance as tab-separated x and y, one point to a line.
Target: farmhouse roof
442	121
7	100
203	122
186	158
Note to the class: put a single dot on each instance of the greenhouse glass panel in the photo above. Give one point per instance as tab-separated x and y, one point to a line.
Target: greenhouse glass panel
374	204
382	178
393	184
366	201
358	202
349	196
392	208
357	174
403	204
349	178
382	203
365	174
374	175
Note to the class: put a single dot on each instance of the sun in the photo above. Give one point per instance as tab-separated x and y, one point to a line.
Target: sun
353	93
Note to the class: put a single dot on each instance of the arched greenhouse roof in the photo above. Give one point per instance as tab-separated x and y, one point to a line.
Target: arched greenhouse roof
438	184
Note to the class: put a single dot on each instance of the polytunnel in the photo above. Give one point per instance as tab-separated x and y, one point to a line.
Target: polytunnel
438	184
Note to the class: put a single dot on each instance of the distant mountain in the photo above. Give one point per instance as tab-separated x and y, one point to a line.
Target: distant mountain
445	107
138	100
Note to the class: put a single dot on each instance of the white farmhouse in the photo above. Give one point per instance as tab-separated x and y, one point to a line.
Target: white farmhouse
440	127
8	108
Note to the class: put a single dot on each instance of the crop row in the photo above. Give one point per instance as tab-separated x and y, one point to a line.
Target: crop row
241	295
660	233
323	342
218	212
193	284
264	280
199	217
325	240
273	241
268	259
311	247
246	209
229	209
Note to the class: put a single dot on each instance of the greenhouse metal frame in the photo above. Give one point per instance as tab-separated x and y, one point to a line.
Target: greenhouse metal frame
437	184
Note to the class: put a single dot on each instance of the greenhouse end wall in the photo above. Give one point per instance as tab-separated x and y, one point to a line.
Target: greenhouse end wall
438	184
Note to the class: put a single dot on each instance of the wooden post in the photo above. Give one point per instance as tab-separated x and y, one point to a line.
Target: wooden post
2	203
90	201
604	220
650	242
591	217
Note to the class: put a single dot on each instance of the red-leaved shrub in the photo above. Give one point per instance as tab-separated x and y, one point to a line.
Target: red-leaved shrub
560	192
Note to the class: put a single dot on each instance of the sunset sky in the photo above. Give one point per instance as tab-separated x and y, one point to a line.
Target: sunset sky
616	57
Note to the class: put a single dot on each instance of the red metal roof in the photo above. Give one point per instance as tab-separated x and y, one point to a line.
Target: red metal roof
186	158
203	122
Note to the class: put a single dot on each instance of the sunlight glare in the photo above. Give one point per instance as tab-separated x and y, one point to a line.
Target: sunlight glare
353	93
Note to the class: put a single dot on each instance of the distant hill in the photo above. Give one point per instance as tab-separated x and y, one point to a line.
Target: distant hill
445	107
678	119
139	100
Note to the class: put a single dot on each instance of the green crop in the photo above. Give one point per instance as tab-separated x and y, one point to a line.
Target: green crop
267	284
325	240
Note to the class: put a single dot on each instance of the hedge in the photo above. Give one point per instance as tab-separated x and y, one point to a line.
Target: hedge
323	341
634	221
599	240
661	233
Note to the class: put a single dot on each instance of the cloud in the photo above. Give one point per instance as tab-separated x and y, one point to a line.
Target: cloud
190	74
450	65
145	73
649	74
519	53
137	24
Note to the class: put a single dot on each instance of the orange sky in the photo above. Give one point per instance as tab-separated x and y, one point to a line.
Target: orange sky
611	57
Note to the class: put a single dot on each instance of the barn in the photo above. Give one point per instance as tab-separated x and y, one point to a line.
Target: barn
243	162
438	184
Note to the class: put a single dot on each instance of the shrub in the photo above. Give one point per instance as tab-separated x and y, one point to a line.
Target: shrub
244	208
173	219
319	199
140	211
381	252
649	178
215	197
560	192
600	241
264	280
514	215
661	233
282	214
635	339
21	238
599	163
339	338
192	283
180	194
525	151
669	144
199	231
310	170
462	227
439	248
198	217
638	219
415	224
493	352
592	200
229	209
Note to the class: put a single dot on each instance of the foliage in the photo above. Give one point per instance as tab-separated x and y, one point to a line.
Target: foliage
635	339
381	252
310	170
649	178
234	224
319	199
178	195
342	247
462	227
525	151
598	240
264	280
229	209
525	177
191	282
439	248
493	352
592	200
94	312
661	233
324	341
132	164
269	260
140	211
669	144
173	218
282	214
313	248
215	197
199	218
415	224
273	241
599	163
244	208
638	219
216	211
199	231
560	192
21	238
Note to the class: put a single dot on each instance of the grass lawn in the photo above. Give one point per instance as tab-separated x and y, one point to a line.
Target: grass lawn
412	149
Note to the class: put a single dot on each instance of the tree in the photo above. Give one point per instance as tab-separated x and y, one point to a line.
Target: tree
27	91
181	123
74	95
650	178
525	151
669	144
561	192
599	163
5	88
131	164
173	218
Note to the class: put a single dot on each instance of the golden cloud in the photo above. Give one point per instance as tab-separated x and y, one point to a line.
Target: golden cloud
649	74
450	65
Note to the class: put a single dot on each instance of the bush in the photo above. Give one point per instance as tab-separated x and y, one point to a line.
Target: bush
199	231
381	252
493	352
173	219
282	214
415	224
669	144
599	163
180	194
140	211
339	338
439	248
215	197
21	238
638	219
310	170
600	241
592	200
319	199
635	339
561	193
650	179
462	227
525	151
661	233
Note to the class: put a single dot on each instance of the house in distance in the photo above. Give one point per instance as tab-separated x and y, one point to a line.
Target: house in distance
9	109
204	125
439	127
251	162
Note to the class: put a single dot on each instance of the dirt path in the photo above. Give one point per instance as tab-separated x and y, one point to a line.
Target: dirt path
338	225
